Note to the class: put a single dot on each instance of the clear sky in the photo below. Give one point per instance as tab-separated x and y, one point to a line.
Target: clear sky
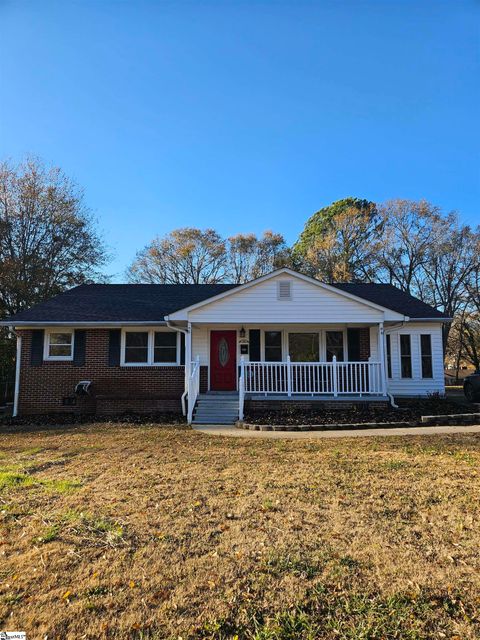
243	116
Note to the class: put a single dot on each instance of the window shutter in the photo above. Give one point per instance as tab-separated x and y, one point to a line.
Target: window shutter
353	340
79	342
36	354
114	347
182	348
254	338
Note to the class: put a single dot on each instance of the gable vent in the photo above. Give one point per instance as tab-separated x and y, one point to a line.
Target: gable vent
284	290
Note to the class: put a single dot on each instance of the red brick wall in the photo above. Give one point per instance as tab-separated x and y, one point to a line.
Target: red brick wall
115	389
364	344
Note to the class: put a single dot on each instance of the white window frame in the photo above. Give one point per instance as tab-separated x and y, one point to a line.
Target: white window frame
282	343
400	357
317	333
420	355
46	345
150	353
323	354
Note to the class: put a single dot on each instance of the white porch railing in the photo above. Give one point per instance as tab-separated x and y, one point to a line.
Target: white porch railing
193	387
312	378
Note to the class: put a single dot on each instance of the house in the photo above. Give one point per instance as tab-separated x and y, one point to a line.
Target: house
214	350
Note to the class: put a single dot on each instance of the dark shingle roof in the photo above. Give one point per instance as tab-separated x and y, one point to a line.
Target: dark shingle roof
152	302
119	302
386	295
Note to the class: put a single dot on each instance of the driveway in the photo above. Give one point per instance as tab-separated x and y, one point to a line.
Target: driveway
219	430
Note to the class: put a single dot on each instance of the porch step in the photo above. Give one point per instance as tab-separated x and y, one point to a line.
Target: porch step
216	408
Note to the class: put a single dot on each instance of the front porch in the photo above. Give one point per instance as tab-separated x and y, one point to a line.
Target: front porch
287	363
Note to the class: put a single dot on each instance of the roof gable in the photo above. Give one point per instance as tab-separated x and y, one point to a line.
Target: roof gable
238	291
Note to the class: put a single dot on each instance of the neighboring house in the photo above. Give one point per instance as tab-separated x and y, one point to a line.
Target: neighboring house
281	338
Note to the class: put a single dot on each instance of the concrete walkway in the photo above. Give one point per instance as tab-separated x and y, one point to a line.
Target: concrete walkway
219	430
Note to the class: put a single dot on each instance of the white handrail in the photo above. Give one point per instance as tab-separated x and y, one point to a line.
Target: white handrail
193	388
313	378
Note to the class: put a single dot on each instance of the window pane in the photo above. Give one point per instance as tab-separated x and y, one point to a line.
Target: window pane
426	348
426	344
60	338
334	340
427	369
165	354
165	346
389	355
166	339
57	350
303	347
405	348
405	356
136	354
273	346
136	339
136	346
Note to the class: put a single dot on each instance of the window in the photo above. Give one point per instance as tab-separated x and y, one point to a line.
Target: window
58	345
334	341
273	346
150	347
165	346
426	352
389	355
136	347
406	355
303	347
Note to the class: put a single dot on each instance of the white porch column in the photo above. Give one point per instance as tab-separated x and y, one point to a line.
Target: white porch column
188	352
381	354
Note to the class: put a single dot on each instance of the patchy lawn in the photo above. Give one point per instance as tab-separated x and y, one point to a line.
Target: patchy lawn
143	533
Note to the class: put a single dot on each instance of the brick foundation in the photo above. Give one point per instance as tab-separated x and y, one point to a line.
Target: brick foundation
114	389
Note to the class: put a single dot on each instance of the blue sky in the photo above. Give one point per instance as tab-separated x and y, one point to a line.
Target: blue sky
243	116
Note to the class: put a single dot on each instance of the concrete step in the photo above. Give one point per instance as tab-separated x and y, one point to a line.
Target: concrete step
216	408
214	420
214	416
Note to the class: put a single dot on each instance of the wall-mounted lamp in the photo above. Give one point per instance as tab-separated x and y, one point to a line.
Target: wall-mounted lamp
242	333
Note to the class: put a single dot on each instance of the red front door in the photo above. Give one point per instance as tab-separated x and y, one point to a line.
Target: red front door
223	360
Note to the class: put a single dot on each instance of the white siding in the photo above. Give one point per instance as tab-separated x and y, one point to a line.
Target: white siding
417	386
201	337
201	344
309	303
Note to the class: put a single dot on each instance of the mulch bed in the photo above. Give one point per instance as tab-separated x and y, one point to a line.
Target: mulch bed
409	411
66	420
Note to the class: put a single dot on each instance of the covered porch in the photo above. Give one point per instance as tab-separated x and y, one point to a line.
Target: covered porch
289	362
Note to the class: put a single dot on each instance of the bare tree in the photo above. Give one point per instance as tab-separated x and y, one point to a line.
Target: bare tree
242	256
445	280
47	237
410	230
184	256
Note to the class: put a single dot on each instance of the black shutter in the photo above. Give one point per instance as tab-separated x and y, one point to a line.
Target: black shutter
182	348
114	347
36	354
79	342
353	340
254	338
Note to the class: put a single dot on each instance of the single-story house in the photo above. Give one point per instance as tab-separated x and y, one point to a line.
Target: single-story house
213	349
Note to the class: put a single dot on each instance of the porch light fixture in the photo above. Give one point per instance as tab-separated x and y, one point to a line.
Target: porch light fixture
242	333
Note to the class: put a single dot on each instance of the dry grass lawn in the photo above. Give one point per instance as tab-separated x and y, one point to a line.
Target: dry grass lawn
115	531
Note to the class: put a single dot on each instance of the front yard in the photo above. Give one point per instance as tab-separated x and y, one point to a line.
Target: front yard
144	532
